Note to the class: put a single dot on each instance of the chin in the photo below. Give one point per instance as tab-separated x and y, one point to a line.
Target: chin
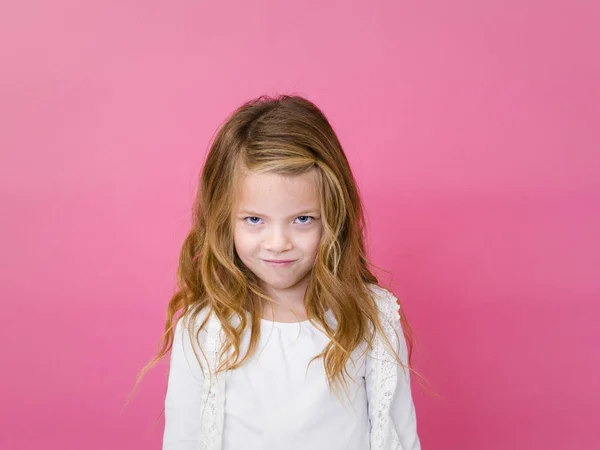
280	282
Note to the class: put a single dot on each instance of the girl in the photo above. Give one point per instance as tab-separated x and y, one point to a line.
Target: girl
280	336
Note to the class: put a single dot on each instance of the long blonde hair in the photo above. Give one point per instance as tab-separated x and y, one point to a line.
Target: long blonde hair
287	135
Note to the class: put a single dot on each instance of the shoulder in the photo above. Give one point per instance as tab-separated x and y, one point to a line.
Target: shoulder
386	301
391	326
190	339
191	322
194	316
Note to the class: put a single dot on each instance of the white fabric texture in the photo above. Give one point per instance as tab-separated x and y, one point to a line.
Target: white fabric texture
278	401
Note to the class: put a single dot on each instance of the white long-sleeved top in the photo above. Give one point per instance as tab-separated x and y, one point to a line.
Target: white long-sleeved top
276	400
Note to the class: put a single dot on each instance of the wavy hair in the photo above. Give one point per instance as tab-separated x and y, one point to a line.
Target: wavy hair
287	135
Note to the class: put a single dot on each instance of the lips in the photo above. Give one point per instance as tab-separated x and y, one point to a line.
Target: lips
279	261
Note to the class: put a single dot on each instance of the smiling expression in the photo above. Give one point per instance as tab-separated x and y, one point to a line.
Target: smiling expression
277	228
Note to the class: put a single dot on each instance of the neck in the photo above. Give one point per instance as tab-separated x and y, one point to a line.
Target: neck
288	303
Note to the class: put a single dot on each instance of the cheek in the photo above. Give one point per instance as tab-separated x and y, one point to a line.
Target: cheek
244	242
310	243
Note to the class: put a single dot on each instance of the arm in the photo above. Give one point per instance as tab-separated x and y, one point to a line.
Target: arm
391	407
183	402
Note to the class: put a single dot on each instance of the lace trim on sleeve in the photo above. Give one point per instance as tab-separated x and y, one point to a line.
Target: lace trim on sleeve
383	433
213	414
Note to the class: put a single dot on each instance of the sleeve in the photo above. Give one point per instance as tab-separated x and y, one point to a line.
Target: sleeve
183	399
391	408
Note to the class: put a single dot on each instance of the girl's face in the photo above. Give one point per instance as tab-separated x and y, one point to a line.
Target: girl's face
278	218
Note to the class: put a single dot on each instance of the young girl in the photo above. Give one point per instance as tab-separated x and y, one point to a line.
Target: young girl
280	336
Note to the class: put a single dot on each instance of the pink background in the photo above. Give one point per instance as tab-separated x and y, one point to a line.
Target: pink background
472	127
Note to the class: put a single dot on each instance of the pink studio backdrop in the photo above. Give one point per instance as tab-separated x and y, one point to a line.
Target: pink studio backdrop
473	131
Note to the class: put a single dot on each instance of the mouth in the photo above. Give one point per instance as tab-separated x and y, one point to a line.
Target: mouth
279	262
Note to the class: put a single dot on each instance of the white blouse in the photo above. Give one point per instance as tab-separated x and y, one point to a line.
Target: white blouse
276	400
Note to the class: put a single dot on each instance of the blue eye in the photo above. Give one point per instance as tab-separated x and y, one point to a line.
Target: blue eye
251	221
303	220
309	219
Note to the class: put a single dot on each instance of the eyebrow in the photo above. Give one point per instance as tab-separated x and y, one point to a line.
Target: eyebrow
305	212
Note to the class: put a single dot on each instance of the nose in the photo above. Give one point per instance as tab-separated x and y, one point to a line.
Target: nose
278	240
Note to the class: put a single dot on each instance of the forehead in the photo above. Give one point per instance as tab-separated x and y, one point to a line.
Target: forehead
274	194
